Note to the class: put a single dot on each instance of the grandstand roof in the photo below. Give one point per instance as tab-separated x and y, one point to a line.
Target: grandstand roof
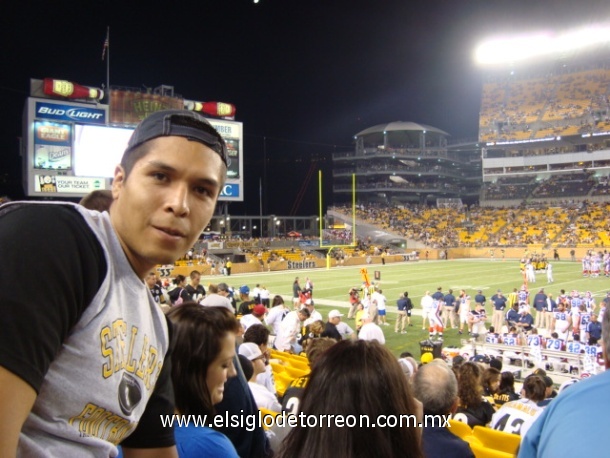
400	126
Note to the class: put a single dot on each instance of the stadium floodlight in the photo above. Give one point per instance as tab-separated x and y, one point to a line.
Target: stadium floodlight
519	48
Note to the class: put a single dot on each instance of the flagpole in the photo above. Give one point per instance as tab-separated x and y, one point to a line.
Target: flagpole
108	62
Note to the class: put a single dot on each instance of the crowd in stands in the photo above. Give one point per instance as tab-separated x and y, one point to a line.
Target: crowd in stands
285	359
553	105
562	224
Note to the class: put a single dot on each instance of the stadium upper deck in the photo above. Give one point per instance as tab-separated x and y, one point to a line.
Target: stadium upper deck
552	125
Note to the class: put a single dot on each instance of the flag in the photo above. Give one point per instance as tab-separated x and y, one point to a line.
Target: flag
106	44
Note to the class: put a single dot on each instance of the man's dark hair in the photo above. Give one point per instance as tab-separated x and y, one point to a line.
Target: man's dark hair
257	334
99	200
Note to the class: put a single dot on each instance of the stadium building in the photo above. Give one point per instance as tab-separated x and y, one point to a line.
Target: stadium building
405	162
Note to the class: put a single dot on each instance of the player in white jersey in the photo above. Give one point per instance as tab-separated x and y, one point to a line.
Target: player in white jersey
492	337
536	344
476	320
575	346
426	304
589	302
523	295
595	265
511	338
549	273
464	309
586	266
561	321
556	344
584	317
590	362
530	273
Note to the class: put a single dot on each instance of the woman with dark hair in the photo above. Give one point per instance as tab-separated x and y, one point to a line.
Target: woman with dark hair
179	294
491	384
473	408
516	417
202	361
506	391
355	380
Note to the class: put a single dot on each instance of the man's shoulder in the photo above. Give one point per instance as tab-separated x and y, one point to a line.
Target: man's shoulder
439	441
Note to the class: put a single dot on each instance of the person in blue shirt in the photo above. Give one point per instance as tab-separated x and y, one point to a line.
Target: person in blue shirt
449	309
594	330
512	316
498	301
526	320
202	361
553	434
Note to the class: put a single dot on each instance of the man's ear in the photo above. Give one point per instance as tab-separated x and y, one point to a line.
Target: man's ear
118	181
454	406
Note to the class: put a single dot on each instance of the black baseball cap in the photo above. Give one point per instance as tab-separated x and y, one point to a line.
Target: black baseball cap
180	123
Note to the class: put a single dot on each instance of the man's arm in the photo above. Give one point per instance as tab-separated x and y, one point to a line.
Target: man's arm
16	400
167	452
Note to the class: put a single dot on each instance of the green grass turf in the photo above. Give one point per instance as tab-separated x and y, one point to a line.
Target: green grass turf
331	287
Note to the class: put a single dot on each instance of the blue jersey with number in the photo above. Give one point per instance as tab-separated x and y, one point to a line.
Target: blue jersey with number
491	338
561	316
591	350
511	339
534	340
585	317
574	347
555	344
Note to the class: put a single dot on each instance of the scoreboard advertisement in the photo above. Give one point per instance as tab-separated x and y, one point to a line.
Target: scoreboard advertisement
71	149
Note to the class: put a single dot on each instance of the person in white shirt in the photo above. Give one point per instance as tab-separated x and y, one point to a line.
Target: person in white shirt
370	331
255	294
262	396
314	315
218	296
344	329
290	330
256	317
549	273
265	294
380	301
427	303
276	314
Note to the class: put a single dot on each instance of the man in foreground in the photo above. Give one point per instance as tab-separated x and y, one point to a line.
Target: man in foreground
82	365
553	434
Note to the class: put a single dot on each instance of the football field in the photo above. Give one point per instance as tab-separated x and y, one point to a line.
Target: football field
331	288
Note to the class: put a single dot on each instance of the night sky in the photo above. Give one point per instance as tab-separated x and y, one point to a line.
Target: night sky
305	76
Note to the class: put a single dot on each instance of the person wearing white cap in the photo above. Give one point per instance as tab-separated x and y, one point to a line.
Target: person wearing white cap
330	329
264	398
370	331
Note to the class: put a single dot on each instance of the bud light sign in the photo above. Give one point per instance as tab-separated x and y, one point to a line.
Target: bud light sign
230	191
84	115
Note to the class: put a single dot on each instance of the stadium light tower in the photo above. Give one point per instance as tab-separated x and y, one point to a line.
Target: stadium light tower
508	50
